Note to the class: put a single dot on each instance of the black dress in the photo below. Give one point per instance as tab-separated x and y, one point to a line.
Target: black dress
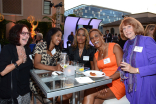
85	58
20	75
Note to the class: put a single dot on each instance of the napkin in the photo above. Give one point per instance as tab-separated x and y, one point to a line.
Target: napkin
84	80
56	72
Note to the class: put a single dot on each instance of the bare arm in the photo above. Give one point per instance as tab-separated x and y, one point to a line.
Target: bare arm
95	64
39	65
92	65
118	53
11	67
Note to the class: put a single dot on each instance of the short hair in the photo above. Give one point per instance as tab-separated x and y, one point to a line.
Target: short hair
40	35
154	33
137	26
95	30
14	34
50	33
87	38
149	27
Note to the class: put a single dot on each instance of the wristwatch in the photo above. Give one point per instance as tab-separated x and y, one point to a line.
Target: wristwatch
15	65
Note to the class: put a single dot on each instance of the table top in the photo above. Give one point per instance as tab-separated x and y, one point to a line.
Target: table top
52	85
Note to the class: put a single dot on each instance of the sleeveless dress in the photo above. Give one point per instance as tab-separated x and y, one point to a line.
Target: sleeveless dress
109	67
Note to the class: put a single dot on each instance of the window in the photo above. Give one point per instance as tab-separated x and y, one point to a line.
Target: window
12	6
47	8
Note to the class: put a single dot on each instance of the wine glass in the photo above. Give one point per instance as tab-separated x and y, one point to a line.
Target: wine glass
122	73
64	60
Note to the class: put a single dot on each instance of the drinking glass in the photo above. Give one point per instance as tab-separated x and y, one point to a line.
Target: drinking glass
64	60
80	67
122	73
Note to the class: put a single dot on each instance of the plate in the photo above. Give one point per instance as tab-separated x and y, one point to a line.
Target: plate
98	73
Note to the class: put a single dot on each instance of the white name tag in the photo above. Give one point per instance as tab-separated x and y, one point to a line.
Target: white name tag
53	51
85	58
30	56
106	61
138	49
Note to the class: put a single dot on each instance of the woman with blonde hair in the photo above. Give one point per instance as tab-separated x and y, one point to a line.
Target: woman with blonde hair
149	30
81	51
154	34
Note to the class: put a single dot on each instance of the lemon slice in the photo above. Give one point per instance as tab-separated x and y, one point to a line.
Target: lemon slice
81	69
65	66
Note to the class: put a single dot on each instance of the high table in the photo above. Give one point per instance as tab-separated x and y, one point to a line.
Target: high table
53	86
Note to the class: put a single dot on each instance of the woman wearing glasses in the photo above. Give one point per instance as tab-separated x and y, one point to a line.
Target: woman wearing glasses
15	66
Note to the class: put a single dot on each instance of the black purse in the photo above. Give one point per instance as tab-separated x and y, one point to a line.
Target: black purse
9	101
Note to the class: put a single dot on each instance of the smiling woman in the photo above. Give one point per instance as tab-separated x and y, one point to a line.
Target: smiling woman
46	57
107	58
15	66
138	71
81	51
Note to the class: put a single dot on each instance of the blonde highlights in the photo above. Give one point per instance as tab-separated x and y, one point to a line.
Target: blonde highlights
87	38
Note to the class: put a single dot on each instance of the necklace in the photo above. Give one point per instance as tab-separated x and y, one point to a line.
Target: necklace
80	51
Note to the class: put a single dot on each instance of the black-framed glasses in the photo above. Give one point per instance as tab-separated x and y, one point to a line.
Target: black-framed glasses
25	33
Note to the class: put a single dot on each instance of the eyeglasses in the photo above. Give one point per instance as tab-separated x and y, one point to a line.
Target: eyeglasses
24	33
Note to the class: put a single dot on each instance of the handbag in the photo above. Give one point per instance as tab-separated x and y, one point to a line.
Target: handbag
8	101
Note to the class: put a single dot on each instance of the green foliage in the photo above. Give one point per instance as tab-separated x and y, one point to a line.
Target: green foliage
72	15
3	28
4	42
62	28
44	27
24	21
49	19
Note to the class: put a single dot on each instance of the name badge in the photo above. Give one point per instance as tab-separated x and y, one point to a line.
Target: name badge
85	58
53	51
138	49
30	56
107	60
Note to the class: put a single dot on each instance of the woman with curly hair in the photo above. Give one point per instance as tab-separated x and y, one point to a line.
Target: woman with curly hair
81	51
15	66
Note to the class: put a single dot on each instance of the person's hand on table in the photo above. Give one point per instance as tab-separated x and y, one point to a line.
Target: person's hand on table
59	68
127	67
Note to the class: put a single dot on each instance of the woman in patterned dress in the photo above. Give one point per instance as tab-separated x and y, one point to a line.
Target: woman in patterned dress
46	55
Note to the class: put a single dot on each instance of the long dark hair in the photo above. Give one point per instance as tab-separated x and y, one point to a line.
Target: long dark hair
50	33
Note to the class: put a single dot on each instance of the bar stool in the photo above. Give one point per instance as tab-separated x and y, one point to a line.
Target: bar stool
123	100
